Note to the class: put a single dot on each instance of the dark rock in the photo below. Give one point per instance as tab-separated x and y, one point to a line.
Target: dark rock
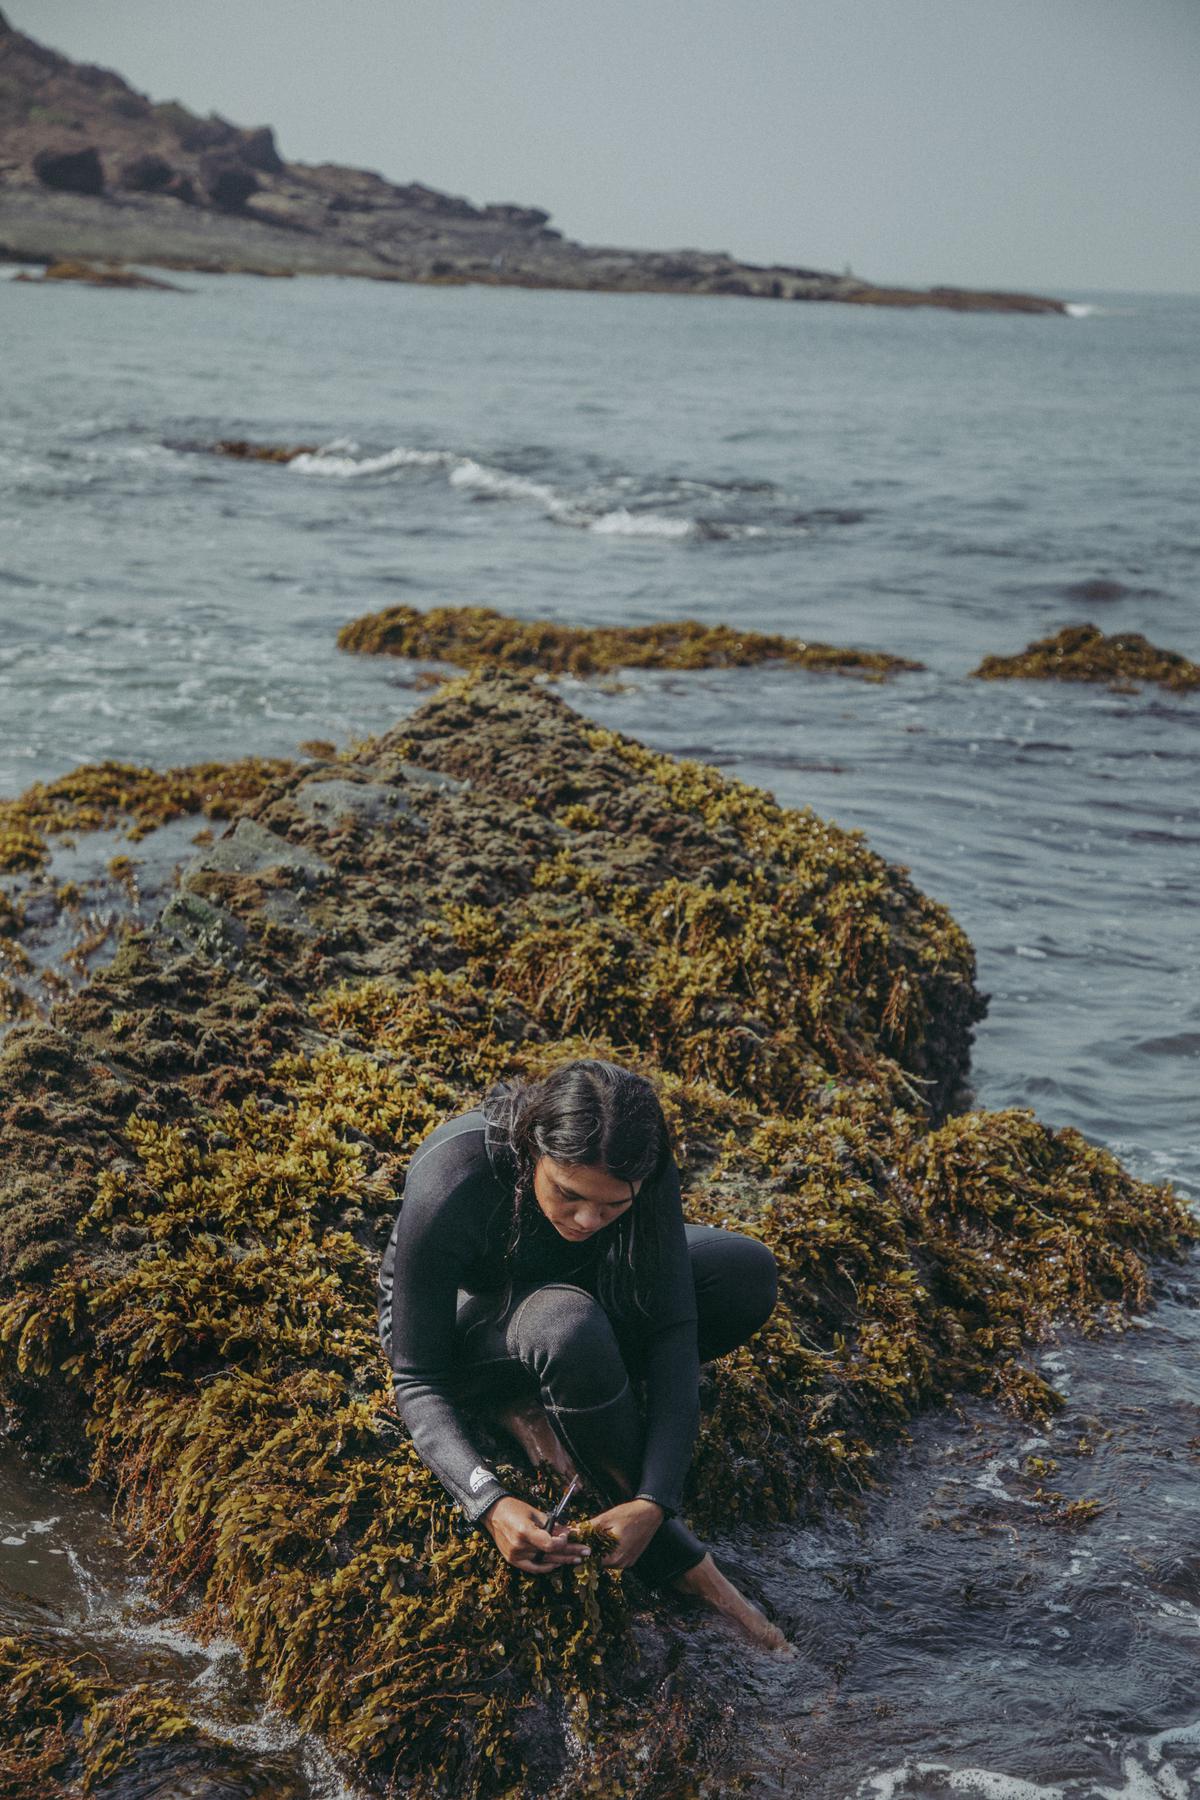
196	134
70	171
182	188
229	184
371	801
147	174
258	151
250	849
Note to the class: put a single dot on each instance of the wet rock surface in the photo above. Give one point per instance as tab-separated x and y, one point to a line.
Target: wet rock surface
202	1151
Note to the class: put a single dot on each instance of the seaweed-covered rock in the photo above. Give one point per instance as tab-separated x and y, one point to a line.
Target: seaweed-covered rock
224	1121
477	636
243	450
69	1727
1083	653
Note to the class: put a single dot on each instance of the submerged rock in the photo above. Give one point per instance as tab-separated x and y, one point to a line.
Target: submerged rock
1083	653
477	636
200	1162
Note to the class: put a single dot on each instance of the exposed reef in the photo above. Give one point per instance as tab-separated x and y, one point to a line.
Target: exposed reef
477	636
201	1153
243	450
1083	653
106	275
100	796
92	169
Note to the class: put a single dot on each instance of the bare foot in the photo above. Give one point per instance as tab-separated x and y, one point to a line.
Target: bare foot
526	1421
706	1582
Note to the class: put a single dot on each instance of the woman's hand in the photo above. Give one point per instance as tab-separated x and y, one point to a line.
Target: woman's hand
518	1533
632	1524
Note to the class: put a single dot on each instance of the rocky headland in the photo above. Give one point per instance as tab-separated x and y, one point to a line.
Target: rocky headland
202	1150
91	170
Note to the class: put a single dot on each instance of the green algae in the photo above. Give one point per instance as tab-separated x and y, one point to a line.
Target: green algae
222	1141
478	637
1083	653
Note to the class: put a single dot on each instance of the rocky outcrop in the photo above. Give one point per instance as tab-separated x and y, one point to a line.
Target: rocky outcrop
158	183
200	1155
1083	653
478	637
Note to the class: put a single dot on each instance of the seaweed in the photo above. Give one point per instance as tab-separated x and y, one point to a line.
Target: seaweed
1083	653
244	450
68	1727
221	1120
100	796
477	637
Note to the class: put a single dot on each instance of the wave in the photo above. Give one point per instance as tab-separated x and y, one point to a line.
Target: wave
603	510
1079	309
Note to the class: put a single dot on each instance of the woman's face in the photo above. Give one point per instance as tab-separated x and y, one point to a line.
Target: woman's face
580	1199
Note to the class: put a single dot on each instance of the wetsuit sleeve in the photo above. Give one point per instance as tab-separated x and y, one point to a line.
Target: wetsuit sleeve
671	1366
431	1232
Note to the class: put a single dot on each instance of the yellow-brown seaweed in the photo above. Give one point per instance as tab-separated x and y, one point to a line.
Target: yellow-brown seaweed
1083	653
101	796
478	637
201	1157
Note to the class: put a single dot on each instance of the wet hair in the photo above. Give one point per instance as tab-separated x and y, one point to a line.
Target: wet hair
601	1116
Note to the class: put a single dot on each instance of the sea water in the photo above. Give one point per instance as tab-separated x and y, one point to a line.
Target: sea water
935	485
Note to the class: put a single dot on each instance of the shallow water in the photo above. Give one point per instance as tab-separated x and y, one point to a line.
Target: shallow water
934	485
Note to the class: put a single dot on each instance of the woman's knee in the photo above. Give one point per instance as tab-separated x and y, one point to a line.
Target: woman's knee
737	1284
565	1338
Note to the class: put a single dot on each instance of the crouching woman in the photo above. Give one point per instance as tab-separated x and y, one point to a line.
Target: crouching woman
540	1265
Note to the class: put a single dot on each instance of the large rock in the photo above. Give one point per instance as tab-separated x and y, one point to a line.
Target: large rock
229	183
199	1162
147	174
70	171
258	151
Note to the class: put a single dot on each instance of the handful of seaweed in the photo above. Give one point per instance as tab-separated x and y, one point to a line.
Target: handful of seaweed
477	637
1083	653
201	1155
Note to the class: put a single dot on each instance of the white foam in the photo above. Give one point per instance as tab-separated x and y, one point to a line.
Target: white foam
471	474
1144	1784
337	461
1079	309
623	523
987	1782
1179	1734
999	1787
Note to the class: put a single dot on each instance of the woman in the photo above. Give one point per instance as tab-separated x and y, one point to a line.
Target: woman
540	1262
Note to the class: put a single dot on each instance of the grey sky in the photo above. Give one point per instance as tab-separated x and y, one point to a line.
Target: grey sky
1050	144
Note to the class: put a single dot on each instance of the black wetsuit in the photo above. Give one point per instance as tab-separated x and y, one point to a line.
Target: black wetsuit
448	1242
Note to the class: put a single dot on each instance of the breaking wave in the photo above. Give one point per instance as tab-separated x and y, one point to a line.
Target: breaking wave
599	510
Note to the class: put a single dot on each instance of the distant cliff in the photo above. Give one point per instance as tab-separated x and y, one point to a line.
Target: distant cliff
91	168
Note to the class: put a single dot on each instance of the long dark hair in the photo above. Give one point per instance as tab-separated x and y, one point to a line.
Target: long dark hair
602	1116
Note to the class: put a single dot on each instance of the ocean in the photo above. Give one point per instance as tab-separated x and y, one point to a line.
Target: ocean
935	485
